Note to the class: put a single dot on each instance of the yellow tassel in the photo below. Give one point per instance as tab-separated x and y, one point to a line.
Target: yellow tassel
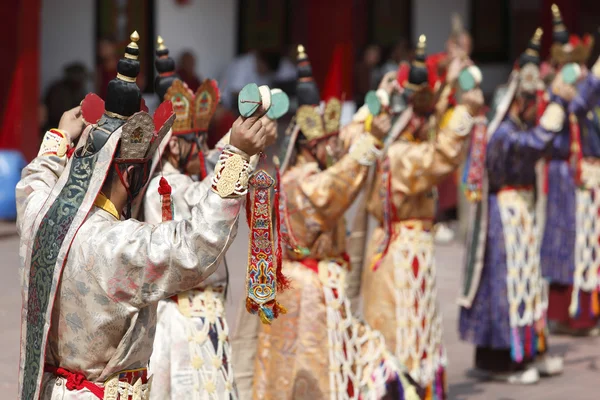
376	259
428	393
368	122
595	305
282	309
263	317
541	342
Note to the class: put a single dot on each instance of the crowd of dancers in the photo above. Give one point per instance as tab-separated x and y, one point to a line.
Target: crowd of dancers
125	219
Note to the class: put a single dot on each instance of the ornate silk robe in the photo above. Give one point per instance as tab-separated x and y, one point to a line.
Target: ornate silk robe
398	286
319	350
569	252
103	320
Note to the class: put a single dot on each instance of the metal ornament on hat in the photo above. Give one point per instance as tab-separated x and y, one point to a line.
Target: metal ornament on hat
264	276
193	111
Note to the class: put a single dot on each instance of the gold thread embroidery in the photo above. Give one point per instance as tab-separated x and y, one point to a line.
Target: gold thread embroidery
232	168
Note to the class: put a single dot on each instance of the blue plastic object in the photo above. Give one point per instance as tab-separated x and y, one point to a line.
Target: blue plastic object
11	164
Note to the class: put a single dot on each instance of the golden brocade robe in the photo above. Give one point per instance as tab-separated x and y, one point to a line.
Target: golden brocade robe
399	296
104	314
318	350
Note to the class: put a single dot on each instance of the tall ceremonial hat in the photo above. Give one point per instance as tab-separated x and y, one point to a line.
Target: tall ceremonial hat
568	48
119	134
418	79
524	79
193	110
311	124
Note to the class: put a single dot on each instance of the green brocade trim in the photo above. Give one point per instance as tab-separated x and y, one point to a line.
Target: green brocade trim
43	272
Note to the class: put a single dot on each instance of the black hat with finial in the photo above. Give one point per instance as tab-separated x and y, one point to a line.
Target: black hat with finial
124	96
418	74
306	87
165	66
559	30
532	54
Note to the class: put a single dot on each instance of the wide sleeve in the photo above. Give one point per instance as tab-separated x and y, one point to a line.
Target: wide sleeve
531	144
326	195
416	167
588	96
39	177
148	262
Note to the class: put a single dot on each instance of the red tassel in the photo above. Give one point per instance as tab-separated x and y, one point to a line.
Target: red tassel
203	173
542	104
282	281
248	210
575	156
164	190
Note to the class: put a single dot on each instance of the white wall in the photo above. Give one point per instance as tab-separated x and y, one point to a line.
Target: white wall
207	27
68	34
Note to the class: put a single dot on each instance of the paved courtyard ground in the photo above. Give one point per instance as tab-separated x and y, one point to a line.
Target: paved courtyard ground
581	380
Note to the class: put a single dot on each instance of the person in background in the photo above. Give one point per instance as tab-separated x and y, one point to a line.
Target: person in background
503	306
458	46
398	288
187	70
399	52
106	65
255	66
65	93
366	73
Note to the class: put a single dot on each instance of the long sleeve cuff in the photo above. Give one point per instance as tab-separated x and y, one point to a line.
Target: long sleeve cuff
56	143
553	118
461	121
231	173
365	150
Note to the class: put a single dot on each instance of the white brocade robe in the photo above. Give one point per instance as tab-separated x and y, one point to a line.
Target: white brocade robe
192	353
104	315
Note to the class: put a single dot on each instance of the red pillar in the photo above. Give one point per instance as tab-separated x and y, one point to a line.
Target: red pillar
329	45
19	76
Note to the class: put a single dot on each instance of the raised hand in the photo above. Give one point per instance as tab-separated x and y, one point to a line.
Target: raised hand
381	126
270	130
474	100
72	123
249	135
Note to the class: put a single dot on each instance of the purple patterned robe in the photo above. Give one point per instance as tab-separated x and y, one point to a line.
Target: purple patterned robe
511	157
558	242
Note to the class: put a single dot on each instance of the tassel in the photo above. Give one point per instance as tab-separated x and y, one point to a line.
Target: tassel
574	306
575	155
282	281
541	342
595	309
266	315
203	173
386	194
527	343
164	190
428	392
248	209
516	348
542	104
533	342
